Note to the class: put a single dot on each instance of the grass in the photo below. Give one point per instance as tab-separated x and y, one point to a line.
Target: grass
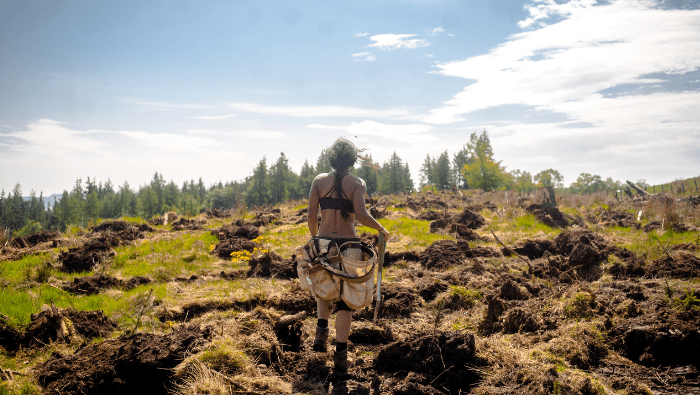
181	254
18	304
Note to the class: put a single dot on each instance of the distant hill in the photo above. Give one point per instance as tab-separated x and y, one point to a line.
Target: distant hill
47	199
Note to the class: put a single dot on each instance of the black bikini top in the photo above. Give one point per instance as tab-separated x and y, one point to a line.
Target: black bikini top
339	203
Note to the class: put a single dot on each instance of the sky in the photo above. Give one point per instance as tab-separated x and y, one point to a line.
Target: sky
122	90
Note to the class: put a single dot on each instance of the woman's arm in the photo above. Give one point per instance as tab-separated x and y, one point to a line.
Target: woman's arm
312	211
358	204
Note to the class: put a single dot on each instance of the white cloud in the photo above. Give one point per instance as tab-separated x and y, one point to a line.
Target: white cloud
436	31
316	111
405	134
363	57
169	142
214	117
248	133
361	34
557	66
47	138
396	41
548	8
158	105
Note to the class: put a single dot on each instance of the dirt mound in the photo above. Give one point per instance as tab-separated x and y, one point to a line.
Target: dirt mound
686	247
437	360
91	285
441	254
141	363
294	300
533	249
511	291
187	224
478	207
566	242
470	219
548	215
653	340
90	324
430	215
520	320
227	232
196	309
438	224
393	257
270	264
681	266
85	257
53	324
32	240
234	244
617	218
289	331
397	301
653	225
265	218
464	232
233	275
10	338
682	227
430	288
365	333
371	239
122	227
214	213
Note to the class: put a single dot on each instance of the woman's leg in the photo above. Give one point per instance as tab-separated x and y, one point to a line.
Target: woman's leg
342	325
323	311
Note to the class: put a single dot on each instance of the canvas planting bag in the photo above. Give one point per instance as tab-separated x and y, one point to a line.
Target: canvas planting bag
333	272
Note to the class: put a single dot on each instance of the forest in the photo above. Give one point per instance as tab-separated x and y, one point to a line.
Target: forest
471	167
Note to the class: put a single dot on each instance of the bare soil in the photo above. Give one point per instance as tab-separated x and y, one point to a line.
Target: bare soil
141	363
91	285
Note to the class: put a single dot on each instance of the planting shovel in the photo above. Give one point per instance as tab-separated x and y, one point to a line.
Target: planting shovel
380	249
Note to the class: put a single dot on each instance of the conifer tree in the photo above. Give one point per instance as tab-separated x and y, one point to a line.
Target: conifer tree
442	173
279	178
258	191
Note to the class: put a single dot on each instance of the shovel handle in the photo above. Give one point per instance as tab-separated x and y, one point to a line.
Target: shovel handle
381	248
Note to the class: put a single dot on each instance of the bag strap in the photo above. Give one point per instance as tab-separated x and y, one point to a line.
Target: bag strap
323	264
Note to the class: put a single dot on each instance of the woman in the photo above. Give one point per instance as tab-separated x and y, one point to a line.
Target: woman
342	200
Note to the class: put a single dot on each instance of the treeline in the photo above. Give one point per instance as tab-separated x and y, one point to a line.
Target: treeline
267	185
472	167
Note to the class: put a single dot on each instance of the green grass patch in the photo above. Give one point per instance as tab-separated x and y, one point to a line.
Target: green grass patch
18	304
417	231
186	254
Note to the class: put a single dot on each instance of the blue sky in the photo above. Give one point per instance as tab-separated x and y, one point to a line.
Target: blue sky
123	89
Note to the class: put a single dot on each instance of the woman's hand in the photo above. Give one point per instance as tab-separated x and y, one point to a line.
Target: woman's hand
385	233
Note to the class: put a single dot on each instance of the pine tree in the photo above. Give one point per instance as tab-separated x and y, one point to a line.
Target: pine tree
279	175
426	172
148	202
461	158
392	176
258	191
306	178
368	172
442	173
323	164
158	186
